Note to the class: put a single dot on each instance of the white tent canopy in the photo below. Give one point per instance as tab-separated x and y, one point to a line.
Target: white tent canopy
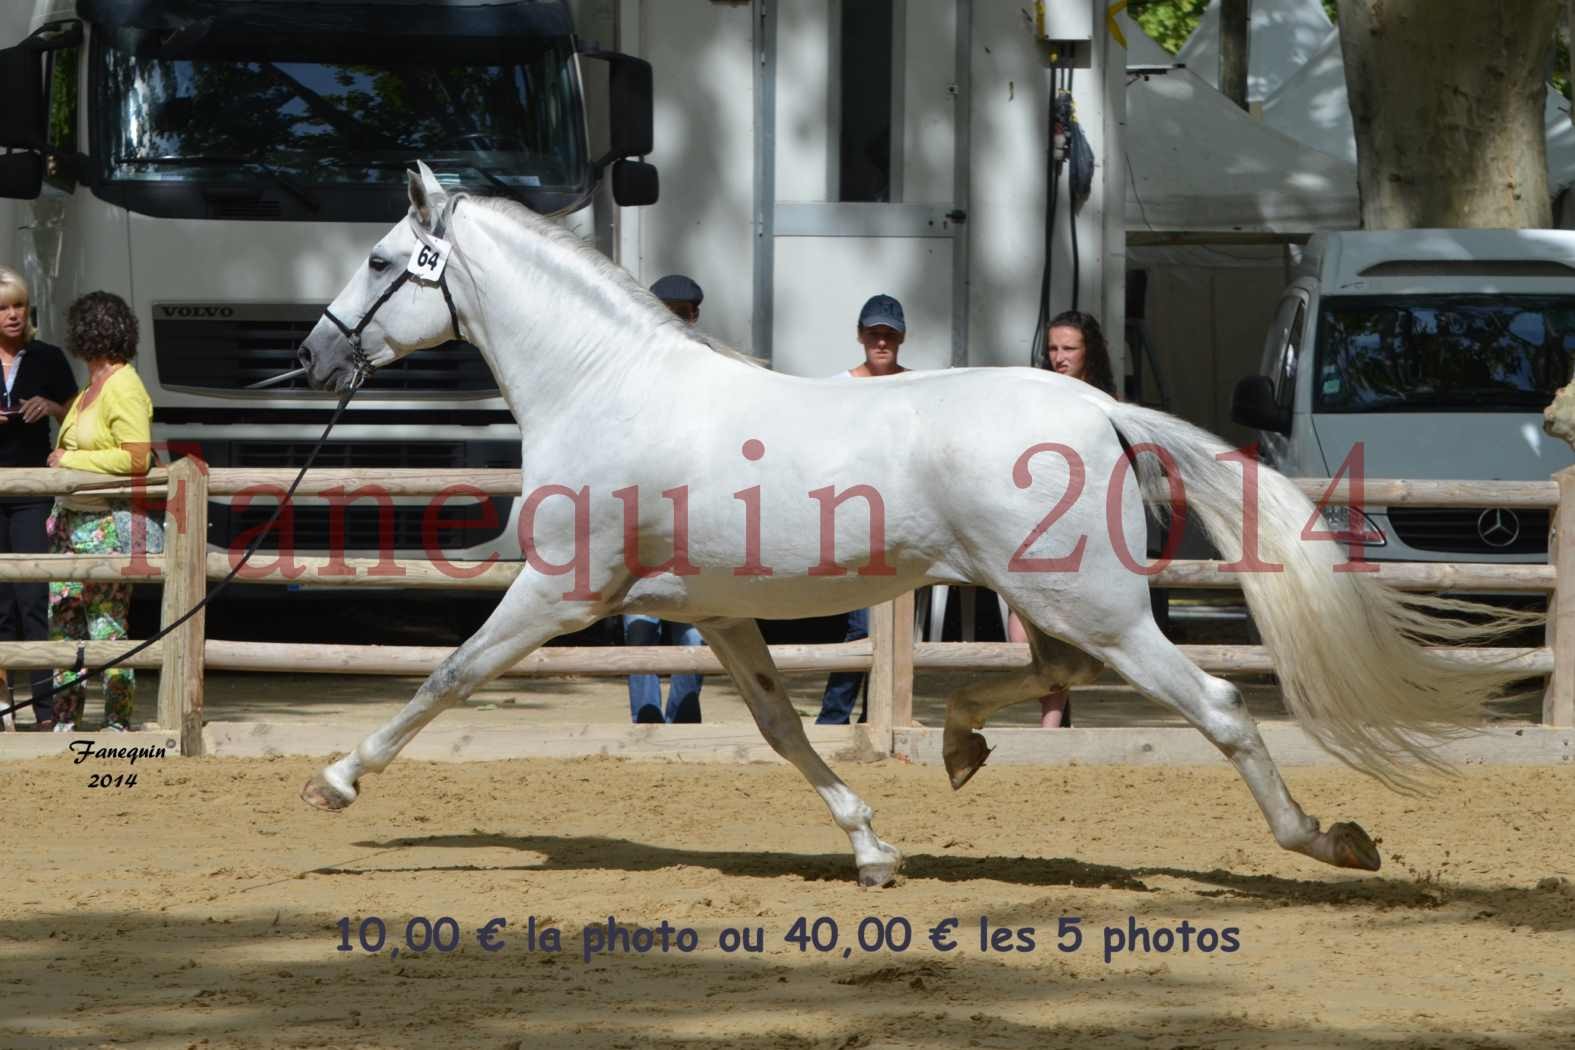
1199	163
1281	35
1312	107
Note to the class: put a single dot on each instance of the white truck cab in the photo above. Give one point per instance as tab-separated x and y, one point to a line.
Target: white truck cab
1422	354
224	166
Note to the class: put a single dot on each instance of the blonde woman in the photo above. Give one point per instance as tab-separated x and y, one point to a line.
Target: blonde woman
107	429
38	384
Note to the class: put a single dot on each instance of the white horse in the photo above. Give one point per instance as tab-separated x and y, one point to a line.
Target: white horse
632	422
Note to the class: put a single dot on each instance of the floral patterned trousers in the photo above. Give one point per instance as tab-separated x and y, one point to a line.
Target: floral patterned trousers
87	611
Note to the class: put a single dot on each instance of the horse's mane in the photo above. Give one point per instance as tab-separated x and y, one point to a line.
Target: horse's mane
603	271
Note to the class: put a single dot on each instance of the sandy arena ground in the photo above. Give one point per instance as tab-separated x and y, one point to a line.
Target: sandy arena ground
199	908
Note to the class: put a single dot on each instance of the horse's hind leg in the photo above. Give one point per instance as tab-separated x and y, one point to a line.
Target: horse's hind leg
527	617
1056	665
742	650
1148	660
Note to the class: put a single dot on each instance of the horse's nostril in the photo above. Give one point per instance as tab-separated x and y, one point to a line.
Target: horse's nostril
304	355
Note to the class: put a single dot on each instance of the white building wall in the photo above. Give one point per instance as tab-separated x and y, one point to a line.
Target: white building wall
1011	92
705	55
702	56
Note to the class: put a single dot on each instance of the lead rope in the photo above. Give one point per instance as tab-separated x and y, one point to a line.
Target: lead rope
80	672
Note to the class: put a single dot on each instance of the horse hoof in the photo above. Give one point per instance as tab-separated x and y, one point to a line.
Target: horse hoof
1352	848
875	876
322	793
963	761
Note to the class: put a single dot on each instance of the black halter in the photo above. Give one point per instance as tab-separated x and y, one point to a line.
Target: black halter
364	367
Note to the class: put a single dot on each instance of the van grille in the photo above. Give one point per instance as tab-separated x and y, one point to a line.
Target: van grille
256	341
1455	530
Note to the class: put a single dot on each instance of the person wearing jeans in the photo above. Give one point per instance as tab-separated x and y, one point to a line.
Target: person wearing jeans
645	690
682	296
881	331
842	687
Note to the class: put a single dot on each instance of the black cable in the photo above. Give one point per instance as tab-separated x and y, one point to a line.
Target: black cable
1071	208
79	673
1036	350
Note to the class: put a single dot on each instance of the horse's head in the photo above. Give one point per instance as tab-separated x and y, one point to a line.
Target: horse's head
397	302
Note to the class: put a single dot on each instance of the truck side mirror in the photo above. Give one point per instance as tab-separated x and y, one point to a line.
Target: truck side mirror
634	183
1253	405
21	175
629	125
22	85
631	94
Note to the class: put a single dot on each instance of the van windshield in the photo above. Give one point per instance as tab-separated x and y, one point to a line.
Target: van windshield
1477	353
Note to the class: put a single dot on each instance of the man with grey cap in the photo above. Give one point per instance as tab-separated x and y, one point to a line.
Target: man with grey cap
682	296
882	328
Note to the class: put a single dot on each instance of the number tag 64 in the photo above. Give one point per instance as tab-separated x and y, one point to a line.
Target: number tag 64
429	259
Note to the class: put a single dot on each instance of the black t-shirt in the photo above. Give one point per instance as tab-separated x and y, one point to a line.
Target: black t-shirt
42	371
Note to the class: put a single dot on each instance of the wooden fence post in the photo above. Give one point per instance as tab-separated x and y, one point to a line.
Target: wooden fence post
185	584
891	674
902	662
1558	701
882	678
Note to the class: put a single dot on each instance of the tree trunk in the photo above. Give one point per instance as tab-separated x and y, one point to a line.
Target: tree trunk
1235	16
1447	102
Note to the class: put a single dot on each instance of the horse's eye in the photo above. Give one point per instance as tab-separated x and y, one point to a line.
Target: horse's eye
377	264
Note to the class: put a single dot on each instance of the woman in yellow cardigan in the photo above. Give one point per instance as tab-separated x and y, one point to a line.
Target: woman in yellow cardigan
107	429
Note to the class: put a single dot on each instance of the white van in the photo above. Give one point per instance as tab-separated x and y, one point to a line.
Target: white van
1422	354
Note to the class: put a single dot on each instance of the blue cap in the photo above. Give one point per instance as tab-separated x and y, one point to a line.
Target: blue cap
677	288
882	310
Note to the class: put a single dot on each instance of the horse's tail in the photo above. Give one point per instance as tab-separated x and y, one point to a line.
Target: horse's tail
1350	652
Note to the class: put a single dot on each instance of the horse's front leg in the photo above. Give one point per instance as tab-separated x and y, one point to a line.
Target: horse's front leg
742	650
531	613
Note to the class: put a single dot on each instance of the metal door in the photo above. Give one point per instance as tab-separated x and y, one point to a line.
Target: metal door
861	178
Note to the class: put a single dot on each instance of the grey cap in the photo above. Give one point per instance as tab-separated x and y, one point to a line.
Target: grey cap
677	288
883	310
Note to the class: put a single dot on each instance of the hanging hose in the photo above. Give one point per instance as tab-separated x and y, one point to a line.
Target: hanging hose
1063	125
1080	170
1036	351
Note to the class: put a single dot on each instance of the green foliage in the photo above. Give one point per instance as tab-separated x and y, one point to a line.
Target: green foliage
1561	66
1169	22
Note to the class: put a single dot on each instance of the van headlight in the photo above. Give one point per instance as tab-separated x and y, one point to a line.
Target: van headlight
1352	526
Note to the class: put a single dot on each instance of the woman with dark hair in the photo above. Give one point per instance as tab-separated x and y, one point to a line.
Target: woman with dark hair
108	430
1075	347
38	385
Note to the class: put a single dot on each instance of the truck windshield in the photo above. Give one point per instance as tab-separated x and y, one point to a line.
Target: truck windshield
1474	353
504	114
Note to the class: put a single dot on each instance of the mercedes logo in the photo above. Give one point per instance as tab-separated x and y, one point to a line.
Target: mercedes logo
1498	527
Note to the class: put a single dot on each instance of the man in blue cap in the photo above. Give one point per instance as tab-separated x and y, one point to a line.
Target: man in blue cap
682	296
882	329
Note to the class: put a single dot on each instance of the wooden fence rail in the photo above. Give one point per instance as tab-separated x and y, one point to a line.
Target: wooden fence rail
890	654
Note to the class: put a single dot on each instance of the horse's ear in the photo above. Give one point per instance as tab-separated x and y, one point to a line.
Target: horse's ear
427	195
